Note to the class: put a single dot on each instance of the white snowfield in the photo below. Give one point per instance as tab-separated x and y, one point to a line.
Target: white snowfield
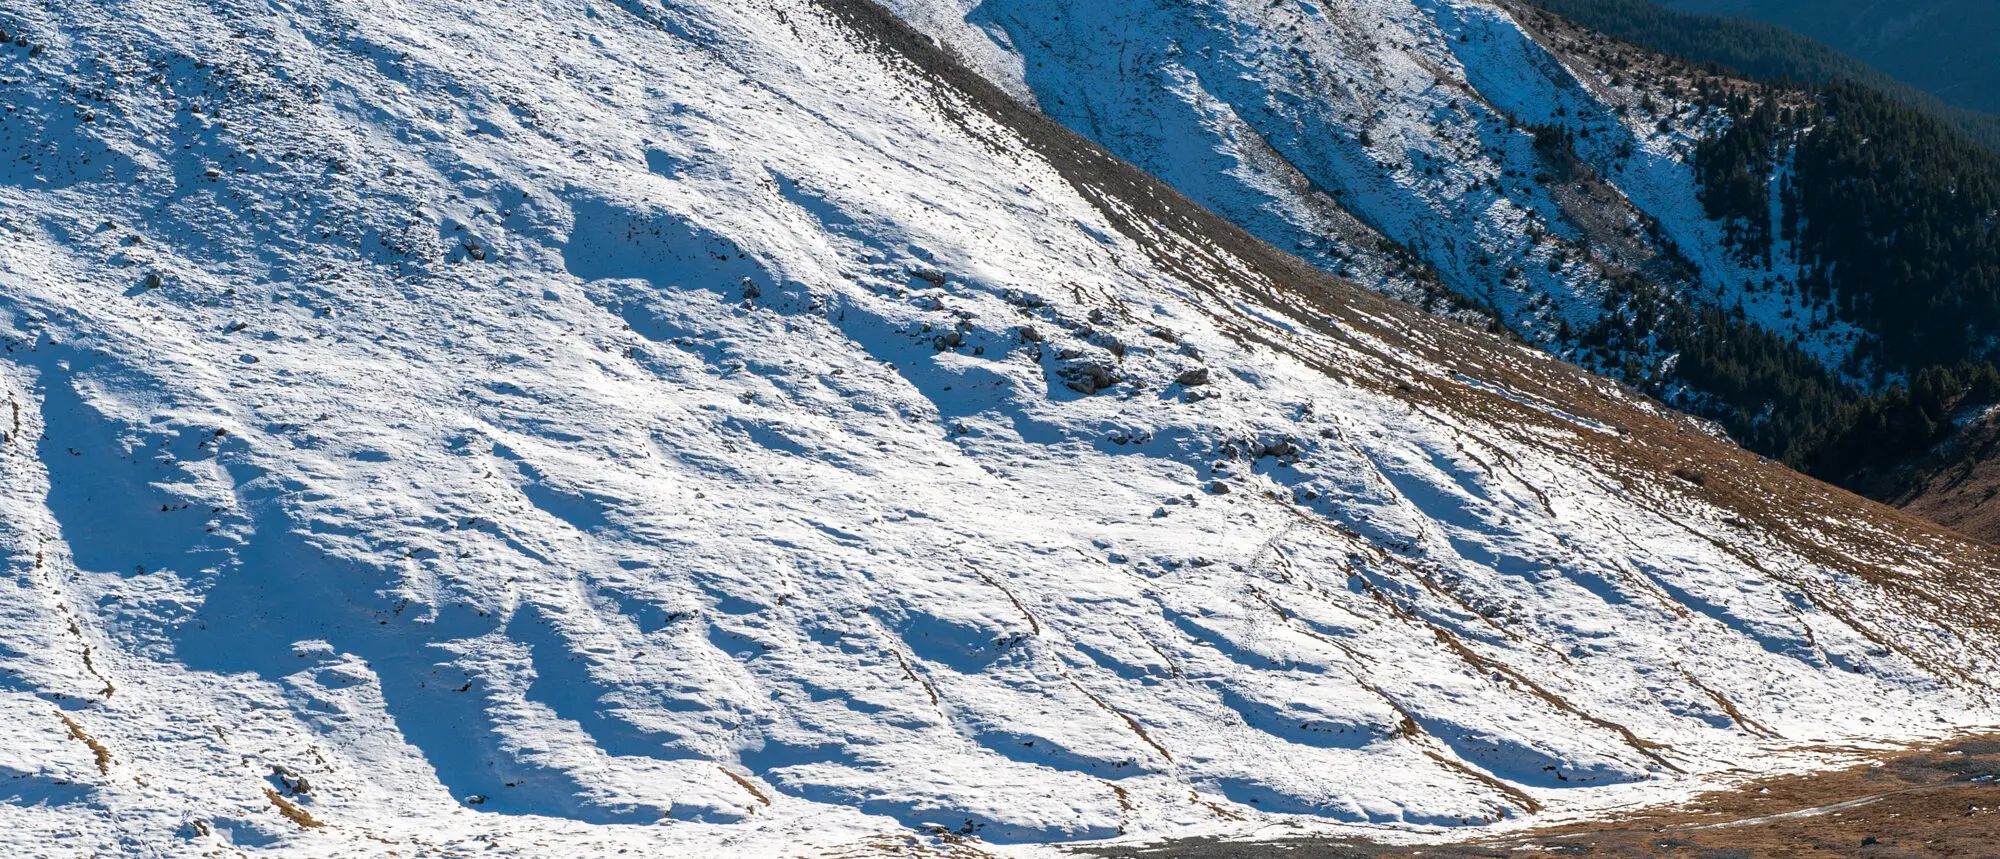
571	428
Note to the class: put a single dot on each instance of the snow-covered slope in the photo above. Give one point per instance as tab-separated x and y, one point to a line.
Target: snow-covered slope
573	428
1426	148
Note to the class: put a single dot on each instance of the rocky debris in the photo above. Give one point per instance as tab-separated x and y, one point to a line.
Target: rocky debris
1030	335
1090	377
1194	378
1281	448
1023	300
928	275
293	782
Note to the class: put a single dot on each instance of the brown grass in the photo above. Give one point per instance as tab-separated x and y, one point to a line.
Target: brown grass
292	811
96	748
746	784
1915	803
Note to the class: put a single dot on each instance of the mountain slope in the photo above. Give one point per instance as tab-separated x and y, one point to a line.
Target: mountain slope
1546	177
580	428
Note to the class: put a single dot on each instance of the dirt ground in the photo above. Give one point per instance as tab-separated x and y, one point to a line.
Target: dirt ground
1942	802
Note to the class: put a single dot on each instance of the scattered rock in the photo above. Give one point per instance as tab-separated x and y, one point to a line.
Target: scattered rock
1193	378
1030	335
1217	487
1090	378
1280	448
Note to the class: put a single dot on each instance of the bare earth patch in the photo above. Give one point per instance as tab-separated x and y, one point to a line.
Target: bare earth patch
1942	802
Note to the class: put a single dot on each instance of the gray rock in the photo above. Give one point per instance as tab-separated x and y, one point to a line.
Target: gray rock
1090	378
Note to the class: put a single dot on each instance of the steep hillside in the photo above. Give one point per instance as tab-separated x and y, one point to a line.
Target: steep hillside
707	428
1885	211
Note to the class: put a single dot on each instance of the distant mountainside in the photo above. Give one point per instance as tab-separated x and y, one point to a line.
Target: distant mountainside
1942	46
717	428
1886	207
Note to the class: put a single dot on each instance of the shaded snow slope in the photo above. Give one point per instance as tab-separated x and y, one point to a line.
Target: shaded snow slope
572	428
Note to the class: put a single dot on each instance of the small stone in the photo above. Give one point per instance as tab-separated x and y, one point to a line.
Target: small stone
1218	487
1193	378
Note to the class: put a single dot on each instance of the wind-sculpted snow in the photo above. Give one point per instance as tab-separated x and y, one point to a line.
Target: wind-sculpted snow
726	429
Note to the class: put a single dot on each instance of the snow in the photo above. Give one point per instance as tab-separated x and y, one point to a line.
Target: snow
575	428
